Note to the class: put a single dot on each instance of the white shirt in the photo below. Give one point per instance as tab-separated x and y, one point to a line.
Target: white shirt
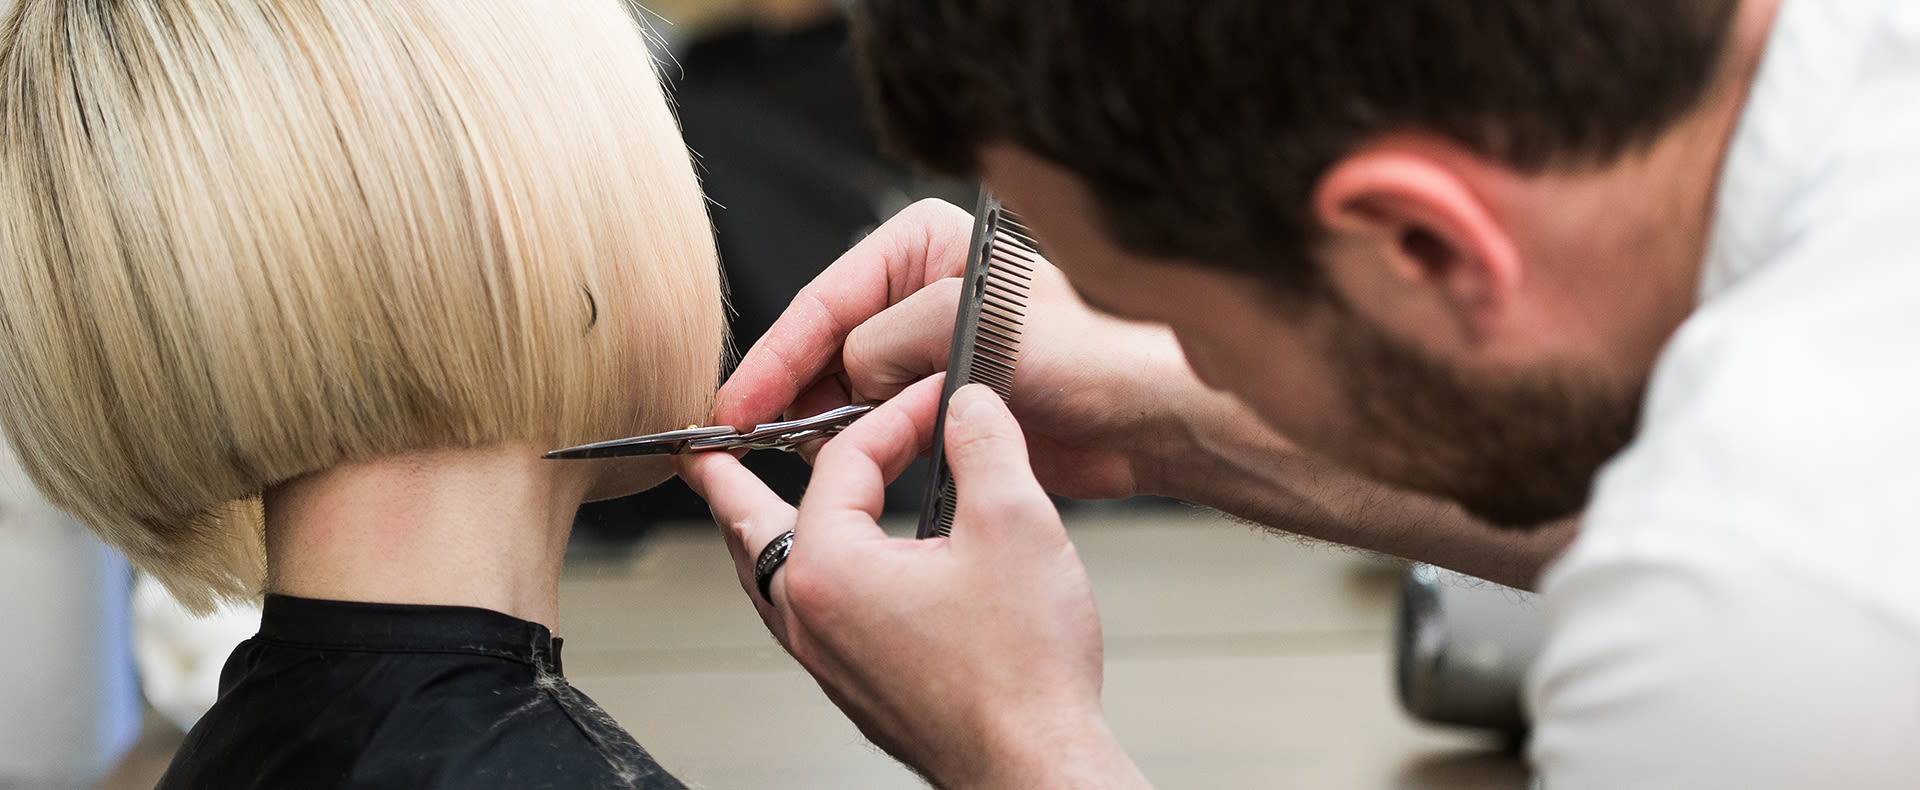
1742	608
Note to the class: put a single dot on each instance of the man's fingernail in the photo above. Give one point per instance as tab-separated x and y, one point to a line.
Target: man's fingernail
972	402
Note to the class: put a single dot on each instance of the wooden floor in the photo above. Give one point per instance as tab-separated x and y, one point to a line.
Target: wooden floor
1235	660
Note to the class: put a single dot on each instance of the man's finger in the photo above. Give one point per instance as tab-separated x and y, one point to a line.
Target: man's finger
736	495
825	395
850	475
904	343
749	514
998	495
926	242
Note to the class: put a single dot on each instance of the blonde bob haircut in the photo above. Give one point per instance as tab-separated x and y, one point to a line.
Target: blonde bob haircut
242	241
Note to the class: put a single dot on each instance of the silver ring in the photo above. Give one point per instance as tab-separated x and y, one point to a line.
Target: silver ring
771	558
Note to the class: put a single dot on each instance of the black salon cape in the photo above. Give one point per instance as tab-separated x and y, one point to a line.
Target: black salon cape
357	695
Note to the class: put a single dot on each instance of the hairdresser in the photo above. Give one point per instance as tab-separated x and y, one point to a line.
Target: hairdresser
1644	271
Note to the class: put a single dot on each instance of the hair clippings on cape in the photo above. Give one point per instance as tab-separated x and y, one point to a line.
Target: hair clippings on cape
787	436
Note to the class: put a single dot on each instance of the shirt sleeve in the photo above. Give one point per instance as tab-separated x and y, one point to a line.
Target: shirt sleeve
1694	667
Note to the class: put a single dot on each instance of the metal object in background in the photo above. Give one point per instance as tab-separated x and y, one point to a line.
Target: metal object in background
986	336
1463	647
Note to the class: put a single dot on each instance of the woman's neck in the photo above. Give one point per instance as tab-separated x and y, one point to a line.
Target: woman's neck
485	528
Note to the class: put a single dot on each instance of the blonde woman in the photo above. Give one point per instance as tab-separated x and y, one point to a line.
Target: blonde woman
295	294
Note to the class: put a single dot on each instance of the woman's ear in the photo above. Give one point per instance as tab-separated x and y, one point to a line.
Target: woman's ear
1403	221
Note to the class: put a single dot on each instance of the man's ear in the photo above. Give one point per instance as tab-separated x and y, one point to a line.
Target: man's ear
1407	230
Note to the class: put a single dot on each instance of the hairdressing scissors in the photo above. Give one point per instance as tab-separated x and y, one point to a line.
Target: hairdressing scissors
787	436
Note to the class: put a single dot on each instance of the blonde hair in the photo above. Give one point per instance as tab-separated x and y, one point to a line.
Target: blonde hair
243	241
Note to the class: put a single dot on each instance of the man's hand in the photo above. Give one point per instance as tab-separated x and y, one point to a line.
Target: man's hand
1111	408
1096	393
975	659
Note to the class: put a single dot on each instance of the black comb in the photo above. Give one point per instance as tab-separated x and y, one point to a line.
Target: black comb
986	336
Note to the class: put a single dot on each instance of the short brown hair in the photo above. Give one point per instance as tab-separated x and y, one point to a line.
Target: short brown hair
243	241
1201	126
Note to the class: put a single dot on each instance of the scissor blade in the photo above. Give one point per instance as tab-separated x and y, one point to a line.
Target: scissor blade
667	443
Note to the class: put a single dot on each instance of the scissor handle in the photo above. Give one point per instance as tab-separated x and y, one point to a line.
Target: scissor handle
787	436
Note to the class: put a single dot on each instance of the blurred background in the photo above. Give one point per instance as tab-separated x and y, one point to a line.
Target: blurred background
1235	659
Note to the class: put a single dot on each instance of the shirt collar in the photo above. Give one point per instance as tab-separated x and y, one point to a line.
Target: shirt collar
406	628
1812	56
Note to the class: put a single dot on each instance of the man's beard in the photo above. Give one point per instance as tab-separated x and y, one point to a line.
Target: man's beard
1517	449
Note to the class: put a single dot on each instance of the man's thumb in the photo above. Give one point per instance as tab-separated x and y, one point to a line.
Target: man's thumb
987	454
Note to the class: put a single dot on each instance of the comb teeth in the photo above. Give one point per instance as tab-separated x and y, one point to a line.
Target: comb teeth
1010	255
986	343
943	509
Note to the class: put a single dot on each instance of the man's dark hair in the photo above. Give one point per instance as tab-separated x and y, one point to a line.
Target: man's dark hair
1201	126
